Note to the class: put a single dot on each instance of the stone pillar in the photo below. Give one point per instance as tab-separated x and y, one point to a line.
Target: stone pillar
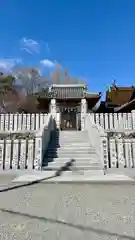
104	151
83	113
53	108
58	116
133	119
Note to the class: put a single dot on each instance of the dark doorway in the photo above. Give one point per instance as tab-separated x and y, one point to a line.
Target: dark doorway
68	119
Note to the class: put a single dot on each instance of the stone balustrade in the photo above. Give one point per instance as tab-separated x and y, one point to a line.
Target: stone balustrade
25	149
121	152
14	122
114	120
115	148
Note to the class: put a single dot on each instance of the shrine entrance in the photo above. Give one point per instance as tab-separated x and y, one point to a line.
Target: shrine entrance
68	119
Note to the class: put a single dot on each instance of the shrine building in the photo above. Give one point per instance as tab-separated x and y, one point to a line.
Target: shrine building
71	102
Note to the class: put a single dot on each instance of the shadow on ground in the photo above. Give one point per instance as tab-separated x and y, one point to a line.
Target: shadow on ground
53	145
71	225
66	167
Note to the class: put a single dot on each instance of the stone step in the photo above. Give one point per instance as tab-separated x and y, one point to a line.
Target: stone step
65	160
72	148
93	162
73	140
72	132
80	161
68	154
72	154
75	144
73	137
75	157
74	168
68	158
83	138
57	167
86	173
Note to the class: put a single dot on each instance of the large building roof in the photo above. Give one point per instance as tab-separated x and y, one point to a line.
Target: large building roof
73	91
119	95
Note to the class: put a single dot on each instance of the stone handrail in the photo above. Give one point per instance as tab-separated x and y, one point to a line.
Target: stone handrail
42	140
98	139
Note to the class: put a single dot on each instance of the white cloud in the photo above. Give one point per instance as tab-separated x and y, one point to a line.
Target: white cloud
30	46
47	63
6	64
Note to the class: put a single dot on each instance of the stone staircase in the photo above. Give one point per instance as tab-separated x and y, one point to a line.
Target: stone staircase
71	150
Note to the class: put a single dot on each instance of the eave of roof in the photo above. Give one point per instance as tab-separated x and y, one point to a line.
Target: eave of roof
68	85
124	106
96	107
92	95
119	89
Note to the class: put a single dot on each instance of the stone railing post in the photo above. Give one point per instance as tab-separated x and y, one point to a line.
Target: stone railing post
83	113
38	151
58	116
104	150
133	118
53	108
2	163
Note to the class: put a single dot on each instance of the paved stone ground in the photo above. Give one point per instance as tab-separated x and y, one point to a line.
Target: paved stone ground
68	211
128	172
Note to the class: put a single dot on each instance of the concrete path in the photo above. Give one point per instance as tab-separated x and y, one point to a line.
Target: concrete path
68	211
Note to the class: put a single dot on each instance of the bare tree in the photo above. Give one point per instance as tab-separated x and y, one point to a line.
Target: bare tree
31	80
32	84
62	76
25	84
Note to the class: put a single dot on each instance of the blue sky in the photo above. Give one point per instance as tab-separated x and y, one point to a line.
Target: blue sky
93	39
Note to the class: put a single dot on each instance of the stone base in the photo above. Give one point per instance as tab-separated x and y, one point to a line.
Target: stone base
48	177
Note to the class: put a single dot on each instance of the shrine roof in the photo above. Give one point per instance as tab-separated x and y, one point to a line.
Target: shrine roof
119	95
73	91
125	106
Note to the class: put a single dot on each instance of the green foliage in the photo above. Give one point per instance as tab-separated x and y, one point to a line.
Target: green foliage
6	83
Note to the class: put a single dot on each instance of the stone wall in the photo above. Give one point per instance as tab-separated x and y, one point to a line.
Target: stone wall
121	152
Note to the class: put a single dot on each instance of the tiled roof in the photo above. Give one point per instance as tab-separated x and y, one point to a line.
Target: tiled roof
66	92
119	96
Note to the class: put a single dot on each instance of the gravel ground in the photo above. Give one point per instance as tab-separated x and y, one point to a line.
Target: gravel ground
68	211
